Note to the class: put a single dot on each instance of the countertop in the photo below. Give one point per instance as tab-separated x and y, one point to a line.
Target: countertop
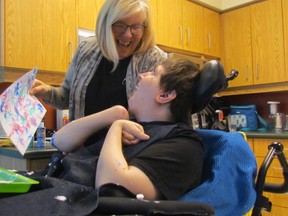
267	134
31	153
9	75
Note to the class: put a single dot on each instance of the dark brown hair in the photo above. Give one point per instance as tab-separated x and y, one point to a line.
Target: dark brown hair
180	75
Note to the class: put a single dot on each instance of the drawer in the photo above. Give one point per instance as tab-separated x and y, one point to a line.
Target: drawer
276	211
280	200
275	169
260	146
251	143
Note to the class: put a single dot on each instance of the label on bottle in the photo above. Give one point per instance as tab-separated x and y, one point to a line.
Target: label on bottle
41	137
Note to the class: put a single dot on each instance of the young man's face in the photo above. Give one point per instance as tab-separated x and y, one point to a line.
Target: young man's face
146	90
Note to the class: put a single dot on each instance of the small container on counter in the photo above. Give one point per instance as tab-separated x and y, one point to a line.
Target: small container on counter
273	109
279	122
286	123
41	136
65	119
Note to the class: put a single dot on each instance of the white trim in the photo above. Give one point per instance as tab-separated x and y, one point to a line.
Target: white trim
224	5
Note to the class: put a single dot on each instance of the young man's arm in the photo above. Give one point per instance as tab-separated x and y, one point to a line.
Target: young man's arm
74	134
112	166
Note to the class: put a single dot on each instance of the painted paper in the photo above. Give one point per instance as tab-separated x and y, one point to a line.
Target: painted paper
20	112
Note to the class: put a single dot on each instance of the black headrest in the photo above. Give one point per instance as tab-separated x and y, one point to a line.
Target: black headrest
212	80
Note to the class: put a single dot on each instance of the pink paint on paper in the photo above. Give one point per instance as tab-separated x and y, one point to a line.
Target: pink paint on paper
20	112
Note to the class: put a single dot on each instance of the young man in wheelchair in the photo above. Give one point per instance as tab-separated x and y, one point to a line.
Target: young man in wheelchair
163	100
158	155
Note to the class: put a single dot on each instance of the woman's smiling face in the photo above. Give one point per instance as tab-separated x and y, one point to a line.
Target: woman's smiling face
126	42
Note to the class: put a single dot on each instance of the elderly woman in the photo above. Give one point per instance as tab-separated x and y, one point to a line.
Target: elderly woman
105	68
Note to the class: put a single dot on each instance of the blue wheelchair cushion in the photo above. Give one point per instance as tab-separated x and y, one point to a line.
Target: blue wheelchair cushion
229	174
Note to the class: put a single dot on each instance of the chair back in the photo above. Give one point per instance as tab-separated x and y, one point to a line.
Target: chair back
229	174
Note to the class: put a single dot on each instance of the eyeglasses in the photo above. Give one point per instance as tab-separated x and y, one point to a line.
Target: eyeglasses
120	28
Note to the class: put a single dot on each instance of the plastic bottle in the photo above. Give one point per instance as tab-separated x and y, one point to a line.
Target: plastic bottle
41	136
65	119
273	109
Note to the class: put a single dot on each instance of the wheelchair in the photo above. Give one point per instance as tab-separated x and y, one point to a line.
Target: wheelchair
246	200
231	184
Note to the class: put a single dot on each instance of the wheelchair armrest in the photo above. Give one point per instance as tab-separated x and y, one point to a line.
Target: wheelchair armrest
117	200
124	206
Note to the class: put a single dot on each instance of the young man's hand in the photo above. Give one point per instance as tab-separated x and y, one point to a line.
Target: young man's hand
132	132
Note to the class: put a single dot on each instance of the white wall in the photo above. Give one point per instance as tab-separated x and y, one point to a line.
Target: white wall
222	5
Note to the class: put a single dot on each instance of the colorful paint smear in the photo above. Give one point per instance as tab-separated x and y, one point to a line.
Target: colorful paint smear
20	112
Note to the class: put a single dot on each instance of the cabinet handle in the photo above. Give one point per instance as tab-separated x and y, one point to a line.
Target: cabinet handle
257	71
181	34
71	48
188	35
246	73
209	41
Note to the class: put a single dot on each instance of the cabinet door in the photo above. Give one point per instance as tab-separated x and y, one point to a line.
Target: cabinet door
211	32
261	150
170	29
274	174
192	27
285	20
154	6
250	141
237	47
267	42
23	34
42	35
87	13
59	34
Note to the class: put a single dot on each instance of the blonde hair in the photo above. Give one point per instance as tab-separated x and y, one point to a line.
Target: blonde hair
111	12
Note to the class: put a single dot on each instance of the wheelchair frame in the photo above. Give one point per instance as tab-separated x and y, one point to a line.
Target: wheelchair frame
134	206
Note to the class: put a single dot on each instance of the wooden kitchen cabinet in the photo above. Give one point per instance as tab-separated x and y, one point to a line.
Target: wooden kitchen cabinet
39	33
192	27
285	24
188	26
268	42
170	29
87	13
154	6
253	43
23	33
251	143
211	32
60	33
274	175
237	45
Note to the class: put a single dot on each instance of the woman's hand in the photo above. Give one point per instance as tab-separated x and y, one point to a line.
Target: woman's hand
40	89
